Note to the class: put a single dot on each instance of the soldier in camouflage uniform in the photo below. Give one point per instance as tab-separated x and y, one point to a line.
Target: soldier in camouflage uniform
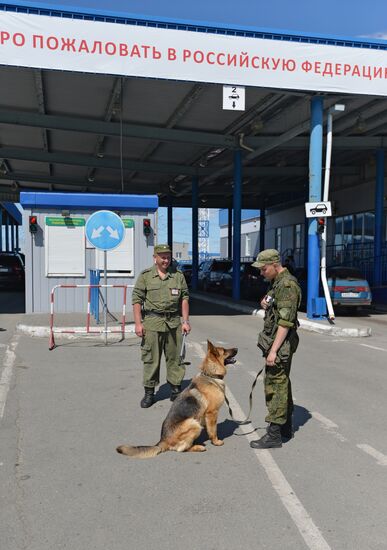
160	293
278	342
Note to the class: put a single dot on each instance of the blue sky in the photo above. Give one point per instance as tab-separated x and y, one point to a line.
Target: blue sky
354	18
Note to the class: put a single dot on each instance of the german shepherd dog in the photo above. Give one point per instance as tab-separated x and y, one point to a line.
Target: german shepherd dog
196	407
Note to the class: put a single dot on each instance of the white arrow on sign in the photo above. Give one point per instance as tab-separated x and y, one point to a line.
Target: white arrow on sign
97	232
113	232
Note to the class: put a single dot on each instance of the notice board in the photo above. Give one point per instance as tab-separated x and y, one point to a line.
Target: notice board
65	247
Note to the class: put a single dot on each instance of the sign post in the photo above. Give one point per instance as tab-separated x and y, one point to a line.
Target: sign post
105	230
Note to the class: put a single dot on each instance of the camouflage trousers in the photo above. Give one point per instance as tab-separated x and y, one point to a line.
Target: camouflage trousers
278	392
154	344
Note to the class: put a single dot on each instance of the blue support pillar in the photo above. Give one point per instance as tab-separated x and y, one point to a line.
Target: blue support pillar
1	229
315	167
195	232
6	232
229	234
170	225
379	199
236	242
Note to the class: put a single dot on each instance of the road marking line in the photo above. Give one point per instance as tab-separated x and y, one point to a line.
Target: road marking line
324	420
304	523
372	347
6	375
380	457
254	374
328	425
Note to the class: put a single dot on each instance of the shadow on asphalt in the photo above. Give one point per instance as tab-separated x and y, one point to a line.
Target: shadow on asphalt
300	417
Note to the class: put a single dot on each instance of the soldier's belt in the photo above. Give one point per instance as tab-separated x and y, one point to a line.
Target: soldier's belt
165	315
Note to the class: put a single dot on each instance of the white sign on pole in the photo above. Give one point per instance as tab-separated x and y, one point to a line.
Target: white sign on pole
318	209
234	98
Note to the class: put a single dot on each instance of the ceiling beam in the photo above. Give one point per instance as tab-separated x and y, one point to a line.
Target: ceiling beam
105	128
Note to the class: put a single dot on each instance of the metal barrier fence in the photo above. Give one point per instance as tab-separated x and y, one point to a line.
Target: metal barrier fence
87	329
95	277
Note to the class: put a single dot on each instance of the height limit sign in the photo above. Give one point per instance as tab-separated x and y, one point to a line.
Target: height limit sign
234	98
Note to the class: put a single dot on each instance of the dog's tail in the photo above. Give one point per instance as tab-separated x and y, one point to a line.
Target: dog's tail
141	451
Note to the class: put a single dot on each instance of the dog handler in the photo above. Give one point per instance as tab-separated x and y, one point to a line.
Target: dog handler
160	293
278	341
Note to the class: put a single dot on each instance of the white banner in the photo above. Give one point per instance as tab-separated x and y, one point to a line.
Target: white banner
110	48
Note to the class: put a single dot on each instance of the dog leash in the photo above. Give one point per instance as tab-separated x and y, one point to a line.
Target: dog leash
247	419
182	349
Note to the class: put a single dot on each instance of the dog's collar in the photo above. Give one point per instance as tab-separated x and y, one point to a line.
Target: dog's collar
216	376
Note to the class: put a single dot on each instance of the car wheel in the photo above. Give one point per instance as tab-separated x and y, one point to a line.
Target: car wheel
313	212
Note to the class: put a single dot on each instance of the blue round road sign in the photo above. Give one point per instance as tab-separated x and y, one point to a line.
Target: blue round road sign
105	230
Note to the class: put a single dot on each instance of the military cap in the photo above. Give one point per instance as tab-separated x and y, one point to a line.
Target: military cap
269	256
160	248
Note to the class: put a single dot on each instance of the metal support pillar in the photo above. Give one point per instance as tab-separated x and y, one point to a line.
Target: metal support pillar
6	232
17	237
315	168
262	225
13	236
1	229
195	232
236	242
170	225
229	234
379	199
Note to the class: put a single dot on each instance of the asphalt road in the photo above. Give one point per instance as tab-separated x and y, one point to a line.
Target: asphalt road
63	486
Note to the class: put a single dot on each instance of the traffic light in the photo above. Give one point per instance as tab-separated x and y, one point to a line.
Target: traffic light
146	227
33	221
320	225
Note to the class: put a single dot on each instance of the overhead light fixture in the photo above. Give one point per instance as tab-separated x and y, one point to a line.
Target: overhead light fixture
90	179
100	155
360	125
337	108
257	125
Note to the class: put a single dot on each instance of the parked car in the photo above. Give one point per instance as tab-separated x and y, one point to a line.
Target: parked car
210	273
11	270
347	286
186	269
253	285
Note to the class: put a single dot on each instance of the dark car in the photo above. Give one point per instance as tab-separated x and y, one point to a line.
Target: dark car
253	285
186	269
11	270
210	273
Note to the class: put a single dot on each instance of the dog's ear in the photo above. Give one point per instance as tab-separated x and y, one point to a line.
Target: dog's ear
211	348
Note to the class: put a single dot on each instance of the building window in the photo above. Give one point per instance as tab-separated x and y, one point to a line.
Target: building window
278	236
247	245
178	255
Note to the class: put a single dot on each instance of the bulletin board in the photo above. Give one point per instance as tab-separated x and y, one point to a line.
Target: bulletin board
65	247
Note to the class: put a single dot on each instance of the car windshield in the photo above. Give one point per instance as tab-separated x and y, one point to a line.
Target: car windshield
344	273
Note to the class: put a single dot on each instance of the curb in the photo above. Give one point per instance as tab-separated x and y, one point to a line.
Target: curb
305	324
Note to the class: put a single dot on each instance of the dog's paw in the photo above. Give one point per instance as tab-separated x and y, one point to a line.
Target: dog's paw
218	442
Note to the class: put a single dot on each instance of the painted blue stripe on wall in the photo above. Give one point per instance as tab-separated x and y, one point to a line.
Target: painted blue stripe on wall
89	201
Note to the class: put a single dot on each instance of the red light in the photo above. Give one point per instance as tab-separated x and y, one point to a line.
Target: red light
147	223
33	219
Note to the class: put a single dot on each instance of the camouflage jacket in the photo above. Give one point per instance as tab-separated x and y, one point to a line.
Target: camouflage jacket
162	297
282	311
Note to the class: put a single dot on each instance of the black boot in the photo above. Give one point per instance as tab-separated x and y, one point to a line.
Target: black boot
287	429
148	399
271	439
175	391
